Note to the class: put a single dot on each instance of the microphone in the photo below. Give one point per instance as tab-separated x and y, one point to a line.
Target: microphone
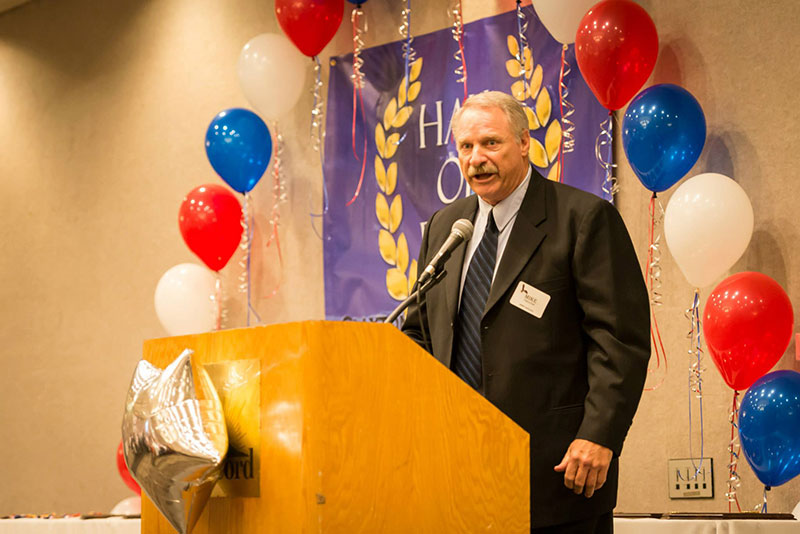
461	231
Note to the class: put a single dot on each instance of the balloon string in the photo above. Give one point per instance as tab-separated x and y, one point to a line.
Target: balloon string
274	236
316	141
358	84
458	36
695	373
522	28
278	197
561	90
245	247
764	505
218	301
567	144
247	241
733	450
249	258
317	111
358	61
409	54
609	186
363	159
654	286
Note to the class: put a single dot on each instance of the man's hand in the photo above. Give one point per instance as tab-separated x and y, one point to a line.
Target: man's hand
585	466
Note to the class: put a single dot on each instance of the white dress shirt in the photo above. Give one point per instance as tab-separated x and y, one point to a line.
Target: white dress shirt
505	213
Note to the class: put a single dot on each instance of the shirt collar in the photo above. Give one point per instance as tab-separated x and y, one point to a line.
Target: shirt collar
506	209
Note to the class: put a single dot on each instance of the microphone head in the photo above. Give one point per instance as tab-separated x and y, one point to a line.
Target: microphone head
464	228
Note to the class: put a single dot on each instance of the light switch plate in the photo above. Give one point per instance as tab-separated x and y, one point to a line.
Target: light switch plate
691	478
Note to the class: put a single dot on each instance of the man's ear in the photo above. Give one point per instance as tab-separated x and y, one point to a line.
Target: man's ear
525	143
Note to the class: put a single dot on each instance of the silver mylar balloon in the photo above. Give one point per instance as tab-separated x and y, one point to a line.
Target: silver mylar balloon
174	438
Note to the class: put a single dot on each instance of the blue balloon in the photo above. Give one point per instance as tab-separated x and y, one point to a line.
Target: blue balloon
357	2
663	133
769	427
239	146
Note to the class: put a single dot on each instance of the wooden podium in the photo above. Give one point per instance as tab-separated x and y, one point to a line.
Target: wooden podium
362	432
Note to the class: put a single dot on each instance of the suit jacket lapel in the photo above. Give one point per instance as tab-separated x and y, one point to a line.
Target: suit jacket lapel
524	239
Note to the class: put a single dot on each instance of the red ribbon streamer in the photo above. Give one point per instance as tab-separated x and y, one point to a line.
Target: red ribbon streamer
357	94
561	110
655	333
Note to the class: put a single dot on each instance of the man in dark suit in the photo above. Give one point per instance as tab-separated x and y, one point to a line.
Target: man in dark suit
544	312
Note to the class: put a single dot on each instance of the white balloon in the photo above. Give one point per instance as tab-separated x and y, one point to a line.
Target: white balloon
184	300
562	17
272	73
129	506
708	225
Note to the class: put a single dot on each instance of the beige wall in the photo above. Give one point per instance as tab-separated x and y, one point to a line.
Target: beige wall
103	106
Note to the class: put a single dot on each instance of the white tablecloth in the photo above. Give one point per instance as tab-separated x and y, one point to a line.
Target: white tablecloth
111	525
696	526
621	526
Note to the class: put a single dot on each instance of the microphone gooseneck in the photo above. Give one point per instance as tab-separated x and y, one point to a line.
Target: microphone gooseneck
460	232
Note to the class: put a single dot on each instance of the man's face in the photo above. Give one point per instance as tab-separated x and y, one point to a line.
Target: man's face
492	159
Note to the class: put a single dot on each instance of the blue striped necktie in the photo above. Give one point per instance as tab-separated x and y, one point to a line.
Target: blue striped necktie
467	355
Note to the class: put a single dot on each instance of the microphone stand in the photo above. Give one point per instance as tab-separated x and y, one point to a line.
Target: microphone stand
432	281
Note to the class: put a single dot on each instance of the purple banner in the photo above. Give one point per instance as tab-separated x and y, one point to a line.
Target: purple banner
411	165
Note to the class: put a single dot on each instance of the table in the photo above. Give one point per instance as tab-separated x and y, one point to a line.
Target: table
705	526
111	525
116	525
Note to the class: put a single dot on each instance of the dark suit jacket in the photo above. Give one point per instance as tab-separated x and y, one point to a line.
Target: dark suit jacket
579	370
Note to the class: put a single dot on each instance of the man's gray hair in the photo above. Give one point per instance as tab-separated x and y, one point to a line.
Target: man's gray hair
513	110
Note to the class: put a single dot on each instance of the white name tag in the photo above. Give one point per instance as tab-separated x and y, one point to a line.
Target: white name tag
529	299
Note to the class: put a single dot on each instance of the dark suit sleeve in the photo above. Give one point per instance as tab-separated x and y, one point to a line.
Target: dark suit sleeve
412	326
613	297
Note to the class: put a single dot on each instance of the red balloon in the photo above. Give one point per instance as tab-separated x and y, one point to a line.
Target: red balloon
748	326
210	220
124	473
310	24
616	47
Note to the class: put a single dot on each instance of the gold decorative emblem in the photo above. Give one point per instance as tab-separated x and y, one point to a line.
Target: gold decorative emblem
402	274
528	86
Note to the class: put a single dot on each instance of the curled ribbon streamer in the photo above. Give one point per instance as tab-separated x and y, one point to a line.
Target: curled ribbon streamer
246	245
358	85
316	141
217	298
278	198
610	186
458	35
409	54
567	126
733	450
654	284
695	372
317	112
522	29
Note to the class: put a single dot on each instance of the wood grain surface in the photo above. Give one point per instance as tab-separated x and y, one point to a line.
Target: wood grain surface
362	431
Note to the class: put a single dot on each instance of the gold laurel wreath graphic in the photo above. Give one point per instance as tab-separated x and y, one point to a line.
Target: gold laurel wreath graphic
539	116
402	276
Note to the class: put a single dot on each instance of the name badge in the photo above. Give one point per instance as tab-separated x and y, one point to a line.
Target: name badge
529	299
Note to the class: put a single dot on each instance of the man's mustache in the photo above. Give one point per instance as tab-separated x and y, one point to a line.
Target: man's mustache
486	168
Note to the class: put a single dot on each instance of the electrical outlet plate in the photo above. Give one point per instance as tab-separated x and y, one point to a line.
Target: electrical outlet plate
691	478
